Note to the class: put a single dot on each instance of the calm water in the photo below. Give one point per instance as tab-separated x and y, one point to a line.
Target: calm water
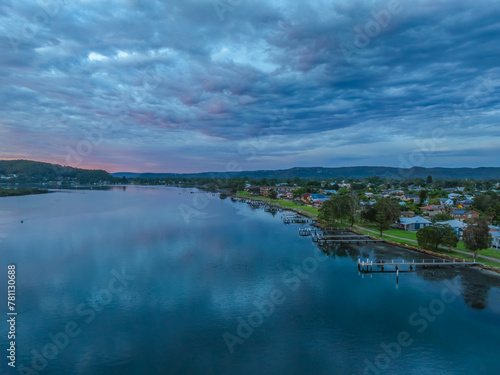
161	281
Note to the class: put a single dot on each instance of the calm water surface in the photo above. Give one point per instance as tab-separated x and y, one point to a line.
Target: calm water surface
162	281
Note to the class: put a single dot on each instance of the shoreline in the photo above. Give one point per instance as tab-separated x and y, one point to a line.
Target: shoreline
319	224
22	192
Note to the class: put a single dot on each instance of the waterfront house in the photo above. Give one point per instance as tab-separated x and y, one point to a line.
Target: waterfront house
413	223
264	190
463	215
280	190
287	196
286	190
432	210
314	199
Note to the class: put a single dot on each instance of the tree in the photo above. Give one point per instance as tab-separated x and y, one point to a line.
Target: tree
434	201
442	216
429	179
387	212
344	191
477	235
340	207
369	213
428	238
469	187
329	211
422	194
272	194
447	235
449	239
483	202
298	192
351	205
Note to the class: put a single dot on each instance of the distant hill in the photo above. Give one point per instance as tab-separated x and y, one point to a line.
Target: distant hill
342	172
35	171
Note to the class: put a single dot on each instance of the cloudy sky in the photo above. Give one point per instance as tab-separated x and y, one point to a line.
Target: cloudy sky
217	85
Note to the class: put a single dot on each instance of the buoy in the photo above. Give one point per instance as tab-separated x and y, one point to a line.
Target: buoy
22	221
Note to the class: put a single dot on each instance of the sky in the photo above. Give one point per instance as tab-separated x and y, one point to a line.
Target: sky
225	85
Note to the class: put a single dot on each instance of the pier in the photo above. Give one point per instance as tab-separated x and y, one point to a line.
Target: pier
346	238
402	266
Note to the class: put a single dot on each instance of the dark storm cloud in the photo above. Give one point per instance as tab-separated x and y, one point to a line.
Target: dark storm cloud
181	85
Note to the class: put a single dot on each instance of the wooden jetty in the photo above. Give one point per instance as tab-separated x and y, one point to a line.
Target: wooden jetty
346	238
308	231
402	266
293	218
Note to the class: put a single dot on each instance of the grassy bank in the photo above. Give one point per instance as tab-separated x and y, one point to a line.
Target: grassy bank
406	238
306	210
18	192
410	238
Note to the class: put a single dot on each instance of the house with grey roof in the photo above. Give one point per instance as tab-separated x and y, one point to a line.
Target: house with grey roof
457	225
495	236
413	223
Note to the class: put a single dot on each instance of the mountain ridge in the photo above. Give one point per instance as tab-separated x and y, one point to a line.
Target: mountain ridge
477	173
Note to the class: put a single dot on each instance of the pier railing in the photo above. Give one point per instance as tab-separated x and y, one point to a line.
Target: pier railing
409	266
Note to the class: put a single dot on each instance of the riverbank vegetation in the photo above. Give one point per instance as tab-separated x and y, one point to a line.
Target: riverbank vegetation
18	192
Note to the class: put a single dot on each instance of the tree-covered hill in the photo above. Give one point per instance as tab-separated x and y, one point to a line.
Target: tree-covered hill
342	172
27	171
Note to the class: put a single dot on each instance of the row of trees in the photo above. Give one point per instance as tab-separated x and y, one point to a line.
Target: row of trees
346	207
476	236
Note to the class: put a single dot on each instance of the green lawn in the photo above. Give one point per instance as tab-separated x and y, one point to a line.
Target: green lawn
413	236
313	211
393	232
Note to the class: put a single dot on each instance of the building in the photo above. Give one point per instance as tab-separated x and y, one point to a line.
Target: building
446	202
407	214
458	226
280	190
466	202
314	198
432	210
264	190
411	197
464	215
495	237
413	223
328	192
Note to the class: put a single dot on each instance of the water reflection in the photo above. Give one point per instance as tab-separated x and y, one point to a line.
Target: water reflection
196	280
